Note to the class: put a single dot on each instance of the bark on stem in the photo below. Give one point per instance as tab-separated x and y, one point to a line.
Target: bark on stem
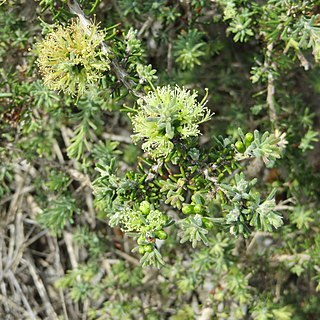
270	66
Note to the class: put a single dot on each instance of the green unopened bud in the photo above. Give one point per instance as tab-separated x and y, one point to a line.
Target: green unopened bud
187	209
141	250
240	146
161	235
248	139
148	248
198	208
145	207
207	223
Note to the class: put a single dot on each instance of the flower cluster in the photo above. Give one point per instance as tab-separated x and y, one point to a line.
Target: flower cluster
70	58
167	115
144	223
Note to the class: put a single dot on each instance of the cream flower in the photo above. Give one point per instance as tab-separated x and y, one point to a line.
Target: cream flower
70	58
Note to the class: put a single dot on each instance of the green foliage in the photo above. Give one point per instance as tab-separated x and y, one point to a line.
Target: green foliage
155	208
302	217
247	208
193	230
58	181
268	146
240	25
263	311
79	280
189	48
84	237
307	142
5	179
58	214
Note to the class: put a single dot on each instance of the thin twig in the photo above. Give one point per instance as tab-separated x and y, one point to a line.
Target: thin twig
60	272
127	257
169	55
120	73
256	236
27	189
40	287
15	283
268	63
148	23
16	246
116	137
72	255
303	61
6	302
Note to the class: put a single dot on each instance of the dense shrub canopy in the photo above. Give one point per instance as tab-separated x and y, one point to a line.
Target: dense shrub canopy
159	159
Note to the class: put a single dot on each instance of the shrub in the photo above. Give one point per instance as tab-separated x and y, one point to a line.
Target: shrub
159	159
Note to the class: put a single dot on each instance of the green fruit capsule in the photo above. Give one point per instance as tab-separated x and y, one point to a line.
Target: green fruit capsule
161	235
148	248
248	139
240	146
198	208
187	209
145	207
142	250
207	224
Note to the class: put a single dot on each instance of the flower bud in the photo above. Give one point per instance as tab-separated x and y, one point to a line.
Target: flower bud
145	207
248	139
240	146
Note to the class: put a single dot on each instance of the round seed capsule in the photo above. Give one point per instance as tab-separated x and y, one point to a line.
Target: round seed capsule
248	139
161	235
208	224
198	208
145	207
187	209
142	250
240	146
148	248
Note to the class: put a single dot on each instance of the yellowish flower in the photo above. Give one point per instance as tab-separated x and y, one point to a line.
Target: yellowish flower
70	58
168	114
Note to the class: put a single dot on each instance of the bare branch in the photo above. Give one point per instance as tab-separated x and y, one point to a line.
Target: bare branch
271	87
